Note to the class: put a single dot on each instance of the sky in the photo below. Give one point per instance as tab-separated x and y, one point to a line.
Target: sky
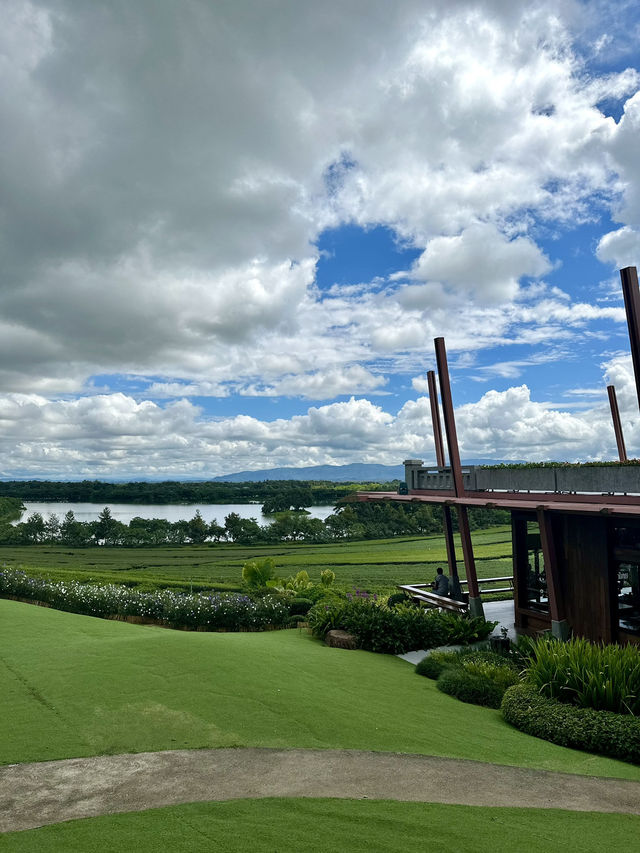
230	231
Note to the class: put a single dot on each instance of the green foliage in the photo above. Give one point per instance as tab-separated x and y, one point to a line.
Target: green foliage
433	664
604	732
256	573
398	598
606	678
299	606
325	616
327	577
463	630
471	687
210	611
391	630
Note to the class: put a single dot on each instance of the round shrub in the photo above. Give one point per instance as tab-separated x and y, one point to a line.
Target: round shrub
604	732
299	606
470	687
432	665
397	598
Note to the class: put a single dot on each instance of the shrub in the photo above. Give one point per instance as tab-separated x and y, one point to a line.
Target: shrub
209	610
256	573
391	630
325	616
398	598
432	665
470	687
300	606
466	629
604	732
605	678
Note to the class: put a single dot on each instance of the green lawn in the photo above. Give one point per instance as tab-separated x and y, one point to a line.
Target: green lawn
79	686
318	826
374	564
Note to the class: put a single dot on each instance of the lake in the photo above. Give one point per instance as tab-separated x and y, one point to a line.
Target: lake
172	512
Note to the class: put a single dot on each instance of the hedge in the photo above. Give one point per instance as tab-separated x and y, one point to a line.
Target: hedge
604	732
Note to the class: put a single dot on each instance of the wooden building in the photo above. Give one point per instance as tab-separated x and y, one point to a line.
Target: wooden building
576	556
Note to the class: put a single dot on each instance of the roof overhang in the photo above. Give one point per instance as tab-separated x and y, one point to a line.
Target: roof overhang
614	505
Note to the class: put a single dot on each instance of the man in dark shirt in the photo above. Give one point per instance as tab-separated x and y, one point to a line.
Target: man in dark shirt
441	584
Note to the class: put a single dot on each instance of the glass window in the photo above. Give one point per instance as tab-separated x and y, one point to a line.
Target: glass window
629	597
536	581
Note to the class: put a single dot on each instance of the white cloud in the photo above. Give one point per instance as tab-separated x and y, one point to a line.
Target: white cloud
165	172
481	262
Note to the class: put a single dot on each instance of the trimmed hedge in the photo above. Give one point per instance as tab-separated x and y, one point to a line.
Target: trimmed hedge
470	687
603	732
434	664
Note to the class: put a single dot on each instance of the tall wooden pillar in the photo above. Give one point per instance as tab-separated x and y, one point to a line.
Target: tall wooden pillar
631	294
475	602
617	425
559	624
456	591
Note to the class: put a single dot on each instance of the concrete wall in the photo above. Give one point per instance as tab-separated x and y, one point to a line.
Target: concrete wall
601	479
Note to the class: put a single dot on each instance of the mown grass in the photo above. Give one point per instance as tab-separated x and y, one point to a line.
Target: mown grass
371	564
316	826
80	686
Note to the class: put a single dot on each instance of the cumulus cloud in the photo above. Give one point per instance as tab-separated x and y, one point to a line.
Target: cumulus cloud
166	171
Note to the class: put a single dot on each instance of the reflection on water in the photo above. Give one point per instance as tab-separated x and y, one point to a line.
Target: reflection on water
171	512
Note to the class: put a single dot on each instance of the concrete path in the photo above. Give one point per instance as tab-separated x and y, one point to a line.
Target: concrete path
33	795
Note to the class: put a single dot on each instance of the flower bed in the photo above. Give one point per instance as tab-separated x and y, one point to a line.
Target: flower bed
232	612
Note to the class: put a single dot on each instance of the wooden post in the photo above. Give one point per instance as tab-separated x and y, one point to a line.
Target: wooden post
631	293
475	602
456	591
559	624
435	418
617	426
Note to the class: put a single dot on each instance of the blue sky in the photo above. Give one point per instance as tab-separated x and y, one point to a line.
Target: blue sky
230	232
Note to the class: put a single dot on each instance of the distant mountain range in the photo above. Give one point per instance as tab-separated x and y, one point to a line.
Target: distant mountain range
354	473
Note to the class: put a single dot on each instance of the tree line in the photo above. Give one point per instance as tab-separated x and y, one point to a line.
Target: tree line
356	520
316	492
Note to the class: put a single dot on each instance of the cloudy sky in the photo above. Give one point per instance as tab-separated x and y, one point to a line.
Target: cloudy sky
231	229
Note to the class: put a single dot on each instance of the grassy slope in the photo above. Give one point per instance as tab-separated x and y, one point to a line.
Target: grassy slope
78	686
289	826
372	563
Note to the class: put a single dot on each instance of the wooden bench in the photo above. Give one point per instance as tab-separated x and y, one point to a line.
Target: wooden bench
482	582
419	592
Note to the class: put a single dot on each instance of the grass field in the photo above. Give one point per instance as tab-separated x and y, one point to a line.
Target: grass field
79	686
319	826
371	564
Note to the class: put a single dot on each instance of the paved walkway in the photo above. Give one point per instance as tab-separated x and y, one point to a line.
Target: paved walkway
34	795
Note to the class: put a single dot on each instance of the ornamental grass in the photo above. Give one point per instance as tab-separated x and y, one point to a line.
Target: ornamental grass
589	675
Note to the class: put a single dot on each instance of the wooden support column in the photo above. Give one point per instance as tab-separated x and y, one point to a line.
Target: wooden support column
435	418
456	591
617	426
475	602
559	625
631	293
